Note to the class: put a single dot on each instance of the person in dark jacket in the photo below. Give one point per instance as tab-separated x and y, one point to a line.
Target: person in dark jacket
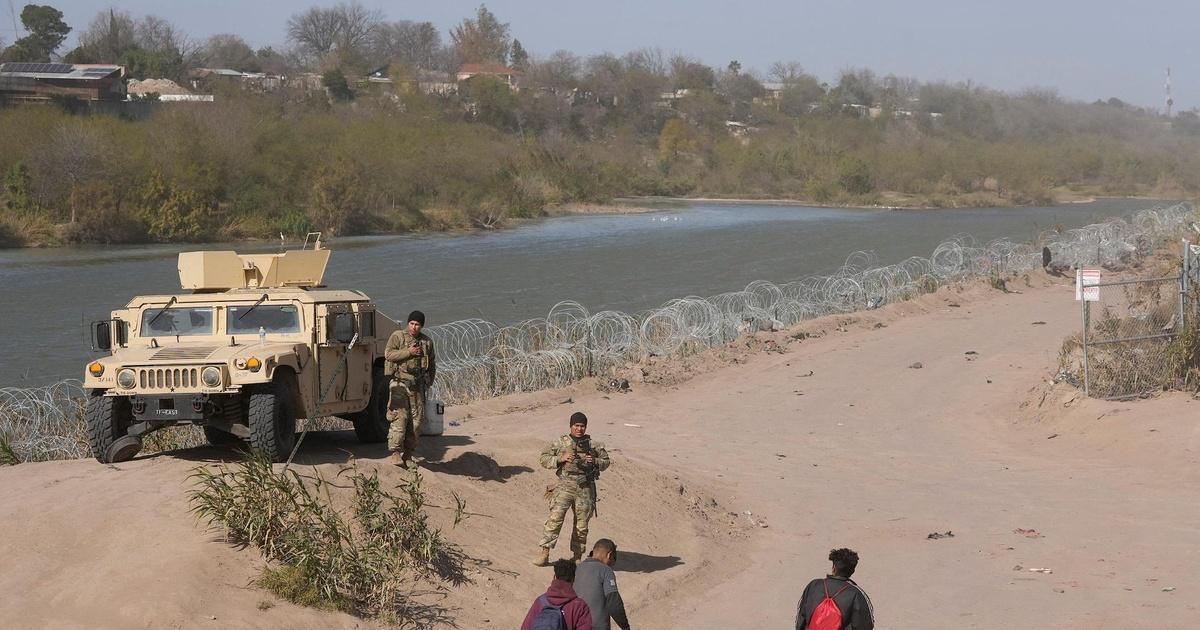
596	584
575	611
857	613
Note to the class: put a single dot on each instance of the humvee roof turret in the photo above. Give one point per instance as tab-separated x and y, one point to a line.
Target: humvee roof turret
257	344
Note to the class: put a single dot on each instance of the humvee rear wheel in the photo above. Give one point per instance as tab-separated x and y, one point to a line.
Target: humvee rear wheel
217	437
272	419
108	419
371	425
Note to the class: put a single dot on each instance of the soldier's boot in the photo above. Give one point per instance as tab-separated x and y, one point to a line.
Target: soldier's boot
542	558
396	459
577	557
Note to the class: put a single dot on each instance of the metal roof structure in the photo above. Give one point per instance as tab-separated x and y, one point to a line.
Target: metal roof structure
76	72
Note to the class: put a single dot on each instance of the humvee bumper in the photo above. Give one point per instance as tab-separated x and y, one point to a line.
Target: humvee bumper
169	407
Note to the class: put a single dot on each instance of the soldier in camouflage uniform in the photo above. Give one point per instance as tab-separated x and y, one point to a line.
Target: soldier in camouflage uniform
411	366
573	455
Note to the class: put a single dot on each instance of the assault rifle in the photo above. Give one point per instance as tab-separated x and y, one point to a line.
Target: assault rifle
583	446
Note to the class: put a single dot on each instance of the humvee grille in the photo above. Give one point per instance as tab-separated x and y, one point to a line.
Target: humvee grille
181	353
168	378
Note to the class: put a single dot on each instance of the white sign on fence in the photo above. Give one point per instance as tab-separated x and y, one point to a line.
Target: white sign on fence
1087	285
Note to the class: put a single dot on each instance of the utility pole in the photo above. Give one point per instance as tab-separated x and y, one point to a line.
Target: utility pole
1170	101
13	12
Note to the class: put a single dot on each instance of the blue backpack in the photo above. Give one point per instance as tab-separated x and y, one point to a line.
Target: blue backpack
550	617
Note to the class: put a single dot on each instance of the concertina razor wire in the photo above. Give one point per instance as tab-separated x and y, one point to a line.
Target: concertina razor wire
480	359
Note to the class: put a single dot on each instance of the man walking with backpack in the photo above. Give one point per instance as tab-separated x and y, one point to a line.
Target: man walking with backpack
559	608
836	602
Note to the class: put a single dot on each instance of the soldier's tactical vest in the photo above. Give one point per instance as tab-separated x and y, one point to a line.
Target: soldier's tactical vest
411	368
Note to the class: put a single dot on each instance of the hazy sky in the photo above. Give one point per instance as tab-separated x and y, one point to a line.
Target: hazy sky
1087	49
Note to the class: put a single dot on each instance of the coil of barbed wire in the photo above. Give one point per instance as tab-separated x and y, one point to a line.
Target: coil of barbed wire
570	343
479	359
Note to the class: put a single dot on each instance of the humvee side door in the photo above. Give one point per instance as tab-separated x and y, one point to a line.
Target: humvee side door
344	372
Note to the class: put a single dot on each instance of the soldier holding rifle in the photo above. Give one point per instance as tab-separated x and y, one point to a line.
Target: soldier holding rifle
410	364
578	462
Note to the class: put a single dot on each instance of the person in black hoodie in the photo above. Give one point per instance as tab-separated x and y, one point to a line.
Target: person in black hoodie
855	606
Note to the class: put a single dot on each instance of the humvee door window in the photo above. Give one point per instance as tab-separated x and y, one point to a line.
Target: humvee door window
273	319
343	327
184	322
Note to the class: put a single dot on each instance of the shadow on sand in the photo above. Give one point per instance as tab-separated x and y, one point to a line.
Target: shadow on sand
634	562
339	447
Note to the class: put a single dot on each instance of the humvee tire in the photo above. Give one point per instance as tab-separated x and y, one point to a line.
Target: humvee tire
272	419
371	424
108	419
217	437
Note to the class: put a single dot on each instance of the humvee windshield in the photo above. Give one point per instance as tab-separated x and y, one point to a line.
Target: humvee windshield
273	319
184	322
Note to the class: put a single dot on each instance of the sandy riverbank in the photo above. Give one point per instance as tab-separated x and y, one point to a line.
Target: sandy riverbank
746	465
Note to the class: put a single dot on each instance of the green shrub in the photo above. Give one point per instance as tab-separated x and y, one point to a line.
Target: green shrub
364	556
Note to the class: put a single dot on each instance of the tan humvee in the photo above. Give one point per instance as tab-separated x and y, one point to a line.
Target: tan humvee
257	344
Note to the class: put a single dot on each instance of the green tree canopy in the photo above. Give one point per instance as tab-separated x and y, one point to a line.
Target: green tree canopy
520	58
46	31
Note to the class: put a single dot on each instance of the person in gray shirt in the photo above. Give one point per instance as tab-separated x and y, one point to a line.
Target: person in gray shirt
596	584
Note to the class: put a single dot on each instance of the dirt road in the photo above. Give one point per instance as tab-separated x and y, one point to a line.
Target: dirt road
867	452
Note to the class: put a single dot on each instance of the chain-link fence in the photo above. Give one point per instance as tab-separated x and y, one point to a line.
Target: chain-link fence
1128	333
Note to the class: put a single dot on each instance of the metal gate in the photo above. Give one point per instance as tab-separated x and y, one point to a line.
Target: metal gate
1129	329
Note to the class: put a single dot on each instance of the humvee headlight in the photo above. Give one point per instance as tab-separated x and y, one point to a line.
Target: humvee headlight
96	369
253	364
211	376
126	379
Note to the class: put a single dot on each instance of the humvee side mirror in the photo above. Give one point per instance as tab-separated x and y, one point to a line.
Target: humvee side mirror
102	335
122	332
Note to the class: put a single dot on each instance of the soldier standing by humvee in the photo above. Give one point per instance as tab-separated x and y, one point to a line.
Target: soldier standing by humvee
410	363
578	461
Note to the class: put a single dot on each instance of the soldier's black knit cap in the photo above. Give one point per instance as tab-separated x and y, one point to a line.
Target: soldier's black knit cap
578	418
417	316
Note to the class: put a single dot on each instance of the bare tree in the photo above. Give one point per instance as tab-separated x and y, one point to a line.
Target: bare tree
786	72
358	22
226	50
559	71
108	35
345	29
649	60
483	39
315	32
73	153
413	43
689	74
158	35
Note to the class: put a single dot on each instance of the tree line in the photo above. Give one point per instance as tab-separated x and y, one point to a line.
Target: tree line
364	157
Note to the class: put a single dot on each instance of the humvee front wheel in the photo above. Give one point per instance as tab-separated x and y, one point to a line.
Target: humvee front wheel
371	424
108	419
272	419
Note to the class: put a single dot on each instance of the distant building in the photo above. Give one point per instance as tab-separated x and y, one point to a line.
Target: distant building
510	77
206	78
46	81
428	82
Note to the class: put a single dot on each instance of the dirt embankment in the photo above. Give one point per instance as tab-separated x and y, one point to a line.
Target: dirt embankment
735	471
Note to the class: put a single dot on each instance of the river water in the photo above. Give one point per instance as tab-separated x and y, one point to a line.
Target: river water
627	262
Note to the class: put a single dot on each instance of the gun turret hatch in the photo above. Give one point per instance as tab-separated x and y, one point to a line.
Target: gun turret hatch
226	270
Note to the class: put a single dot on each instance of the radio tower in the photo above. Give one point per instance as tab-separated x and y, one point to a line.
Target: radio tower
1170	101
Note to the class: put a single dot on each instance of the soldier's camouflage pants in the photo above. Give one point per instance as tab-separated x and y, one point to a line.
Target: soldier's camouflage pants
569	495
406	408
